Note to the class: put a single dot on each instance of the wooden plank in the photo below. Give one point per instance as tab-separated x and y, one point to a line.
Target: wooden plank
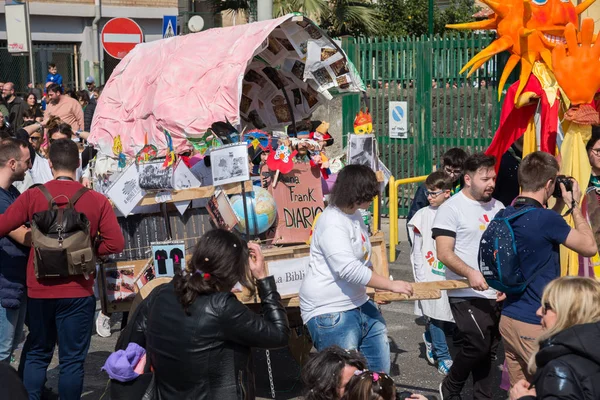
196	193
421	290
418	294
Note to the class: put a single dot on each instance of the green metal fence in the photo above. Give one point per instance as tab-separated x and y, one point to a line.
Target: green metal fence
444	108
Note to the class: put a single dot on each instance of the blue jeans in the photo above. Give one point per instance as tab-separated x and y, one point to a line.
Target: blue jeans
11	328
435	328
361	329
70	322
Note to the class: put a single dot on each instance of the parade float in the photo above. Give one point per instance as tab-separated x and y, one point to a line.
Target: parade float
214	129
554	104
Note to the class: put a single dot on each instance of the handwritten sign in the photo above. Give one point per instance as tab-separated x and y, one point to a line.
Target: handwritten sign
288	274
299	198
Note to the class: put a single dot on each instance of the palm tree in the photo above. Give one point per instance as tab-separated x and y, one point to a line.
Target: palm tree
338	17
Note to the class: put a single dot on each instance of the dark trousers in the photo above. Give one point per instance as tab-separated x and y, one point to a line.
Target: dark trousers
477	321
70	322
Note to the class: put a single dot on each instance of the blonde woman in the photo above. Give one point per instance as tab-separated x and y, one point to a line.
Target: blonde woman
567	364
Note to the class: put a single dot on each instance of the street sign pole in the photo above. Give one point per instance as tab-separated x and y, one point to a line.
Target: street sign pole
31	53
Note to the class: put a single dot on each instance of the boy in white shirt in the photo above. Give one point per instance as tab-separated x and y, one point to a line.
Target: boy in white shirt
427	268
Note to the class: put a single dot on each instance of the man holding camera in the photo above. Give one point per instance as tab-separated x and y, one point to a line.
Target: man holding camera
538	235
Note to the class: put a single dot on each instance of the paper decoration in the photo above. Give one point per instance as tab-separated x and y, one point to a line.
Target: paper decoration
183	178
229	164
147	153
169	257
362	150
182	206
126	192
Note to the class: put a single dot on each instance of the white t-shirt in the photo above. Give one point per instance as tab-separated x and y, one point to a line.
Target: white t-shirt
338	268
468	219
41	172
426	266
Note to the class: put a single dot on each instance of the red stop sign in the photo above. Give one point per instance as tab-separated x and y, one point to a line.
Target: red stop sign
120	36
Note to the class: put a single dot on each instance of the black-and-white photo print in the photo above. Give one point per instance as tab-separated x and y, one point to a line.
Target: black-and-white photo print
154	177
229	164
362	149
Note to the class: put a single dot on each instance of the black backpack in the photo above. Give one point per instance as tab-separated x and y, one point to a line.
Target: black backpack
499	261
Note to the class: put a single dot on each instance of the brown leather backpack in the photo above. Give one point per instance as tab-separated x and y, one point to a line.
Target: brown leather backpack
61	239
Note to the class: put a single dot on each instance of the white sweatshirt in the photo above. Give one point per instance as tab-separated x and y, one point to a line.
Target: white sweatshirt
339	266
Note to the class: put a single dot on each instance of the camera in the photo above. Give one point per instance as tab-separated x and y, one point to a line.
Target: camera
565	180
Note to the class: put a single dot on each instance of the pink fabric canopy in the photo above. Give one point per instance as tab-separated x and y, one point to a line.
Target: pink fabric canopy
182	84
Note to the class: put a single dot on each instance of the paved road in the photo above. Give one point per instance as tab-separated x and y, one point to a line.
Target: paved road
409	366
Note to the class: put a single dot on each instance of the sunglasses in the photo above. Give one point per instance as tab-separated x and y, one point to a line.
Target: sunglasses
546	307
595	152
433	194
34	138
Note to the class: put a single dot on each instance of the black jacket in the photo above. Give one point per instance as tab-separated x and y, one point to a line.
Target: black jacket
569	365
16	110
88	115
206	355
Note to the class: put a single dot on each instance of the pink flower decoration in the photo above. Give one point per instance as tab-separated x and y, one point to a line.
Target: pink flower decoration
375	376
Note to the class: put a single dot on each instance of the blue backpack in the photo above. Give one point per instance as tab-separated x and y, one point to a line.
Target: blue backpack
498	258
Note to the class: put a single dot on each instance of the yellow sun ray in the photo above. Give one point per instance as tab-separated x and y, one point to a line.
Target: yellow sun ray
477	65
547	57
583	6
485	24
512	62
498	46
526	69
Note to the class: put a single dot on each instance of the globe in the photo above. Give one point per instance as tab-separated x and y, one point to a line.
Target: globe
262	210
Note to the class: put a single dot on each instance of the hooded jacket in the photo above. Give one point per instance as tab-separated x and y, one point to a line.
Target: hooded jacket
569	365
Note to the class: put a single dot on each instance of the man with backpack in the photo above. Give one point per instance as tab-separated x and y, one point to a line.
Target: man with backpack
70	226
538	232
457	229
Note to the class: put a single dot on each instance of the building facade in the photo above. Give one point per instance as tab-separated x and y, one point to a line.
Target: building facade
67	33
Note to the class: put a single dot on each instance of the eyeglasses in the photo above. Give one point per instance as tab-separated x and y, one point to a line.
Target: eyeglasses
451	171
545	308
596	152
433	194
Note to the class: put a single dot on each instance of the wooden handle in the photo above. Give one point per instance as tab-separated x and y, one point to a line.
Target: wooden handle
275	178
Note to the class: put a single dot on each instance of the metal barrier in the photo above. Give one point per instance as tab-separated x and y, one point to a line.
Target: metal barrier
393	207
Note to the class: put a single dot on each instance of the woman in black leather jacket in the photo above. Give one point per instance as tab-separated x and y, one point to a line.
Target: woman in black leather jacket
197	334
568	361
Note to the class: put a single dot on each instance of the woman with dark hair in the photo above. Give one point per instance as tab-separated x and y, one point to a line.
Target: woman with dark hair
197	334
34	107
368	385
333	296
326	374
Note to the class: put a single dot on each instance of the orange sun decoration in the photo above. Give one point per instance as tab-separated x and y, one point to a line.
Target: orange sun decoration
528	29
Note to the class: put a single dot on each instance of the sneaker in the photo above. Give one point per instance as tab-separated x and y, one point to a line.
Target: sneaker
103	325
444	366
428	349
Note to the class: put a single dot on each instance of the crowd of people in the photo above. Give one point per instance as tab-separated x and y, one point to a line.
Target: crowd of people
191	338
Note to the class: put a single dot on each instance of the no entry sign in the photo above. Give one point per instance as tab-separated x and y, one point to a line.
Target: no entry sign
120	35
